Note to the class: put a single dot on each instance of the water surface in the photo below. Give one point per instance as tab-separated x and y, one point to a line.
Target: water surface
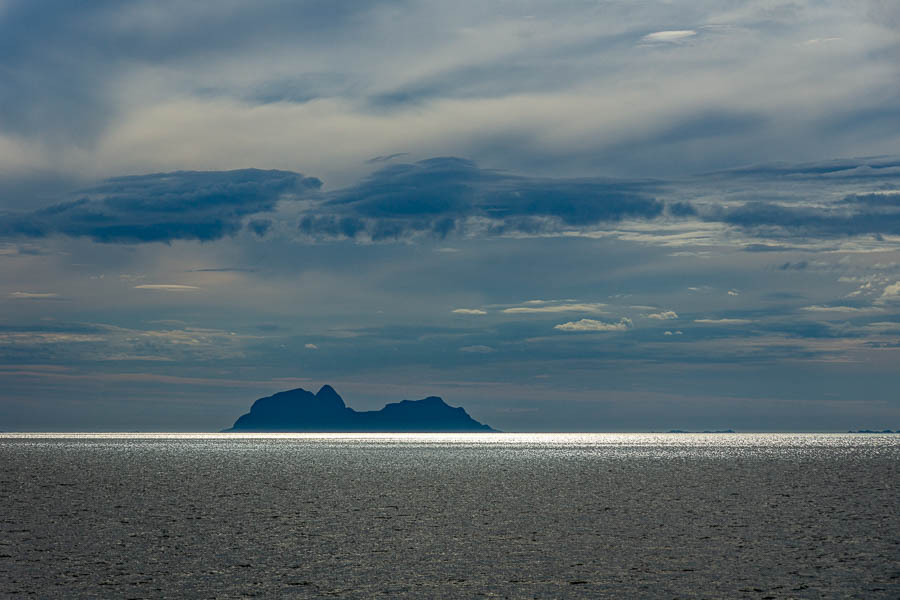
449	515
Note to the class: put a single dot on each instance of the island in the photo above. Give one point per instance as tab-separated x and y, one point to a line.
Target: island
704	431
300	410
873	431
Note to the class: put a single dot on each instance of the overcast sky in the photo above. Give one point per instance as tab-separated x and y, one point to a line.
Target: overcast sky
566	216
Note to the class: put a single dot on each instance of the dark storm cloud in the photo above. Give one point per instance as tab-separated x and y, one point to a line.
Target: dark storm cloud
162	207
768	248
889	200
260	226
385	158
810	199
800	265
851	168
681	209
818	222
440	195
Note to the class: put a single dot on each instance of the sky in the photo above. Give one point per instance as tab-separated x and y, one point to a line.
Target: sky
563	216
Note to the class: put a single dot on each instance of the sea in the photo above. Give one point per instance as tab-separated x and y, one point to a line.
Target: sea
449	516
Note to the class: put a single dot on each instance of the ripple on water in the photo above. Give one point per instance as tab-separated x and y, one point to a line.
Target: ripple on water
447	515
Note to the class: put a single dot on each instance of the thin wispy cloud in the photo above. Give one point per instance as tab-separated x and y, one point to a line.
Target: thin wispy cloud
723	321
477	349
167	287
837	309
593	307
34	295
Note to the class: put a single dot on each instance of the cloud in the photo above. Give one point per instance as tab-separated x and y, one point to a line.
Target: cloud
800	265
259	226
34	295
223	270
672	333
815	41
310	346
766	217
891	293
557	308
663	316
671	36
733	293
873	167
835	309
477	349
440	196
77	342
805	202
167	287
722	321
386	158
592	325
163	207
468	311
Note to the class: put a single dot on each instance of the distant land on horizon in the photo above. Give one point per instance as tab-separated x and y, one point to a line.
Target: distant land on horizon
299	410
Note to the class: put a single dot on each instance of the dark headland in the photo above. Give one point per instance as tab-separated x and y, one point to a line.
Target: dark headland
325	411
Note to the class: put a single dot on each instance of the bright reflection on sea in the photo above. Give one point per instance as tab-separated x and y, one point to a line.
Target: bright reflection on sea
518	515
610	445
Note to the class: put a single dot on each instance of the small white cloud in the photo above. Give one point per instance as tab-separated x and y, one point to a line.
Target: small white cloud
469	311
592	325
167	287
723	321
733	293
558	308
669	37
667	333
478	349
33	295
311	347
663	316
891	293
447	250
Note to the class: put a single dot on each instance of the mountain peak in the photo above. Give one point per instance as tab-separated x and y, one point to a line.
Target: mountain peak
327	394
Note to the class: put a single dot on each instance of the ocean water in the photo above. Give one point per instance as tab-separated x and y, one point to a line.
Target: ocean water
450	516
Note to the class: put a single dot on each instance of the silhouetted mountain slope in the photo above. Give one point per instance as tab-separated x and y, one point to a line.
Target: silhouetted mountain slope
300	410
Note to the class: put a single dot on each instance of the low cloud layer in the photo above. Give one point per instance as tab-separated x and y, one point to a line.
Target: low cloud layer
162	207
449	196
440	196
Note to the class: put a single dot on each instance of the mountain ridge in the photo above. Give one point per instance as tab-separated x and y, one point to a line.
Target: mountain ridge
299	410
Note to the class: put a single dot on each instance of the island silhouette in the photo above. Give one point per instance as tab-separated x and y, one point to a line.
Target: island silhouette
299	410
